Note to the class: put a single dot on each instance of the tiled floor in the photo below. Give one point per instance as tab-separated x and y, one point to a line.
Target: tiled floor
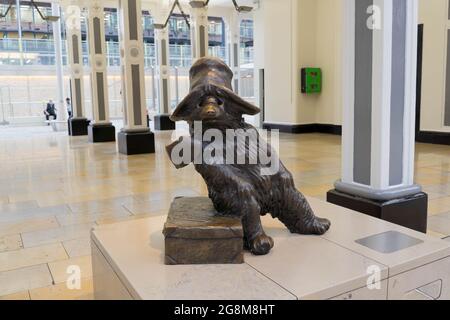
53	189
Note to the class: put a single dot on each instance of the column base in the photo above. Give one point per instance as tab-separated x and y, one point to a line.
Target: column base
163	122
78	126
131	143
101	133
410	212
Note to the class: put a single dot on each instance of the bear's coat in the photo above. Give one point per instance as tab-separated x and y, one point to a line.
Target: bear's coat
240	188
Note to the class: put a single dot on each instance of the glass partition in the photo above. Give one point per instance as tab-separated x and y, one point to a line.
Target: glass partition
26	96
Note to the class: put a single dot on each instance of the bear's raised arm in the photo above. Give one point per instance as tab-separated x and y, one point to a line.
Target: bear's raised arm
183	152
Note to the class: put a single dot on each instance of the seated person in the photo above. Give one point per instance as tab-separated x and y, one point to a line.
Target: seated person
50	111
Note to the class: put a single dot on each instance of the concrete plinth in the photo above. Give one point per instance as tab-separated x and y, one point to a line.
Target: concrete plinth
410	212
102	133
78	126
131	143
163	123
128	263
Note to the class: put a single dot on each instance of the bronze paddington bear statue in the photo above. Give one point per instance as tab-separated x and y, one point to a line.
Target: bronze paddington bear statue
239	188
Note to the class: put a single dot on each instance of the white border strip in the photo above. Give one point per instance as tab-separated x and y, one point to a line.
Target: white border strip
381	95
410	91
348	88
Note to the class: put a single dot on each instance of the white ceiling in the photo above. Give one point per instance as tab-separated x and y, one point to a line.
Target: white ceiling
212	3
224	3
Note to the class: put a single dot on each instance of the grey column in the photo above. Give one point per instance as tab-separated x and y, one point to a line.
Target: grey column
132	65
379	107
98	62
62	112
72	14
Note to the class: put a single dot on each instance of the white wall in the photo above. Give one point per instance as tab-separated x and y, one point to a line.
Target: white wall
276	29
305	41
284	24
329	58
302	33
434	15
290	35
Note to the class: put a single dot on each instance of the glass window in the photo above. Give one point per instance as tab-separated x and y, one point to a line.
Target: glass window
111	20
26	14
147	21
247	30
9	18
216	27
246	42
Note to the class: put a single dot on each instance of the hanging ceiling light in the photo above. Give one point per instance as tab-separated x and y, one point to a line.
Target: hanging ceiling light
239	8
201	4
3	15
45	18
198	3
185	17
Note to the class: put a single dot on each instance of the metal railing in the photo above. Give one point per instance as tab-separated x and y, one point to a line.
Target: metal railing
42	52
26	98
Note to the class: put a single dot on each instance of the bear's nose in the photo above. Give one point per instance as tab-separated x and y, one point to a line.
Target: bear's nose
211	111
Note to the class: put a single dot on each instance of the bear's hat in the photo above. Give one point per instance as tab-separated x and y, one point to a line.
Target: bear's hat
211	76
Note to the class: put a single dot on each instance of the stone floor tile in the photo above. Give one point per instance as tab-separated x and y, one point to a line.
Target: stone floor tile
61	292
37	238
24	295
11	260
19	280
78	247
10	242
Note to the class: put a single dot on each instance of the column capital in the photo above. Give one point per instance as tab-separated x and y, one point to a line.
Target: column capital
95	6
198	11
66	3
160	11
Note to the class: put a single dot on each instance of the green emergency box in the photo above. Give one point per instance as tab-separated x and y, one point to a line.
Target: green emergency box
311	80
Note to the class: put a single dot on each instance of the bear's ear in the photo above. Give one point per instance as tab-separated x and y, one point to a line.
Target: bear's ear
237	104
186	107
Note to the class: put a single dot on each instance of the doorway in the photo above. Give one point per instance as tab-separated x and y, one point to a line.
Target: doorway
419	79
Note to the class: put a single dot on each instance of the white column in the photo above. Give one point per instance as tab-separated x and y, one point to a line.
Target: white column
62	111
132	65
199	32
259	39
72	14
19	29
380	52
98	62
234	47
163	61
